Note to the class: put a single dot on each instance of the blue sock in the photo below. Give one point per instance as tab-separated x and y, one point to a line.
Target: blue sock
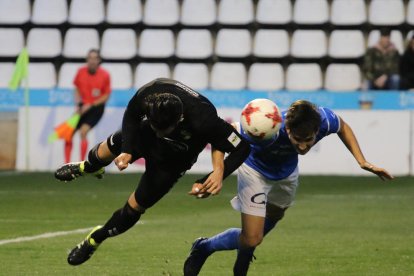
227	240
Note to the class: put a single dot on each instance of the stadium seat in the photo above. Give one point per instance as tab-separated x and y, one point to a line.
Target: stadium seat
274	12
42	75
86	12
14	12
396	38
44	43
46	12
232	43
6	72
198	12
78	41
235	12
410	13
348	12
270	43
121	74
11	41
156	43
303	77
228	76
309	44
122	12
386	13
161	13
343	77
265	76
194	75
118	44
67	74
146	72
345	44
194	44
310	12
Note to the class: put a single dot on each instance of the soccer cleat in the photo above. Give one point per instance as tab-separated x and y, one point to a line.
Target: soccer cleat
71	171
84	250
244	258
196	259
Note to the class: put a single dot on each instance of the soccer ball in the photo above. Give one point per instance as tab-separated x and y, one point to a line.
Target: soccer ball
261	119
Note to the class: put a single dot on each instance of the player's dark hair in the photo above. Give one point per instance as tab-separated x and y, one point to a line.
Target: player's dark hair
164	110
303	118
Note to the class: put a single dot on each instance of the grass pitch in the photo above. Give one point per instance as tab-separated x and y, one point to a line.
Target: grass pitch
338	226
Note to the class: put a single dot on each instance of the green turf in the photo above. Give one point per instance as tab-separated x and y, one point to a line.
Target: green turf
338	226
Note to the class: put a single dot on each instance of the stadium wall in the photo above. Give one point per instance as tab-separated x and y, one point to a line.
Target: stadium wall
382	121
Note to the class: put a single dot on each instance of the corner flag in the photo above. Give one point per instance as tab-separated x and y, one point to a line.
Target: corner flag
20	70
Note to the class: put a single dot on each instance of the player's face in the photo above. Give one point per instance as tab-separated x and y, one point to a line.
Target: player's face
302	142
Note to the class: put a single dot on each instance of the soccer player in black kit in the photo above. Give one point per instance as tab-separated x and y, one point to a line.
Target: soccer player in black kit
168	124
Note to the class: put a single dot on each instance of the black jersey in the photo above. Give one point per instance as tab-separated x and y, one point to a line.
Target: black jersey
201	125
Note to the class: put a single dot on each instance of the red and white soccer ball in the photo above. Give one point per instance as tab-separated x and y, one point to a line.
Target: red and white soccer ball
261	119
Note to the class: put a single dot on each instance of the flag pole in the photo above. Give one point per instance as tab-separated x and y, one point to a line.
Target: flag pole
27	123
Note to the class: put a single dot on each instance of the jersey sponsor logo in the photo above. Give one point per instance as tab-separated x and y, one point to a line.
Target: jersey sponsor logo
234	139
187	89
259	198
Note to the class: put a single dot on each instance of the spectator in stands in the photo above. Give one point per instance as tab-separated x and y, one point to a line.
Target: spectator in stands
381	64
407	66
92	90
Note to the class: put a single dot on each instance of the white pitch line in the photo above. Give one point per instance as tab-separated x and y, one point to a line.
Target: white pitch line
45	236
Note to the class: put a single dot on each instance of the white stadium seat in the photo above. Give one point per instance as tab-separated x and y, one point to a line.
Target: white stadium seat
14	11
235	12
277	12
155	43
120	73
348	12
270	43
120	12
67	74
342	77
346	44
410	12
198	12
194	75
86	12
42	75
233	43
161	12
303	77
309	44
194	44
44	42
228	76
6	72
78	42
308	12
265	76
119	44
146	72
396	38
386	12
11	42
46	12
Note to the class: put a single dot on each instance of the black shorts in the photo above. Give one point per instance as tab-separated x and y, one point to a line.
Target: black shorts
92	116
156	180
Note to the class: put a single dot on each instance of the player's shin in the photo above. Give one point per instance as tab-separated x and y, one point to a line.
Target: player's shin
121	220
95	162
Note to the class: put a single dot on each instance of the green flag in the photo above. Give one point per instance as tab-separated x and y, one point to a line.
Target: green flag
20	70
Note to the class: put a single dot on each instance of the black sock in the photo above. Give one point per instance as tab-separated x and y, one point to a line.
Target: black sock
121	220
95	163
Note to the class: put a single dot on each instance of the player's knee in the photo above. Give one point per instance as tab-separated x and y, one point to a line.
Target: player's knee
251	240
133	203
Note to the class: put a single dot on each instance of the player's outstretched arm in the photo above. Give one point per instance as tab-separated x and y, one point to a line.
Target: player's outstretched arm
348	138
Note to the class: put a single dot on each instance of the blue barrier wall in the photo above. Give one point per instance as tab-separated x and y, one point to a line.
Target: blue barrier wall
376	100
